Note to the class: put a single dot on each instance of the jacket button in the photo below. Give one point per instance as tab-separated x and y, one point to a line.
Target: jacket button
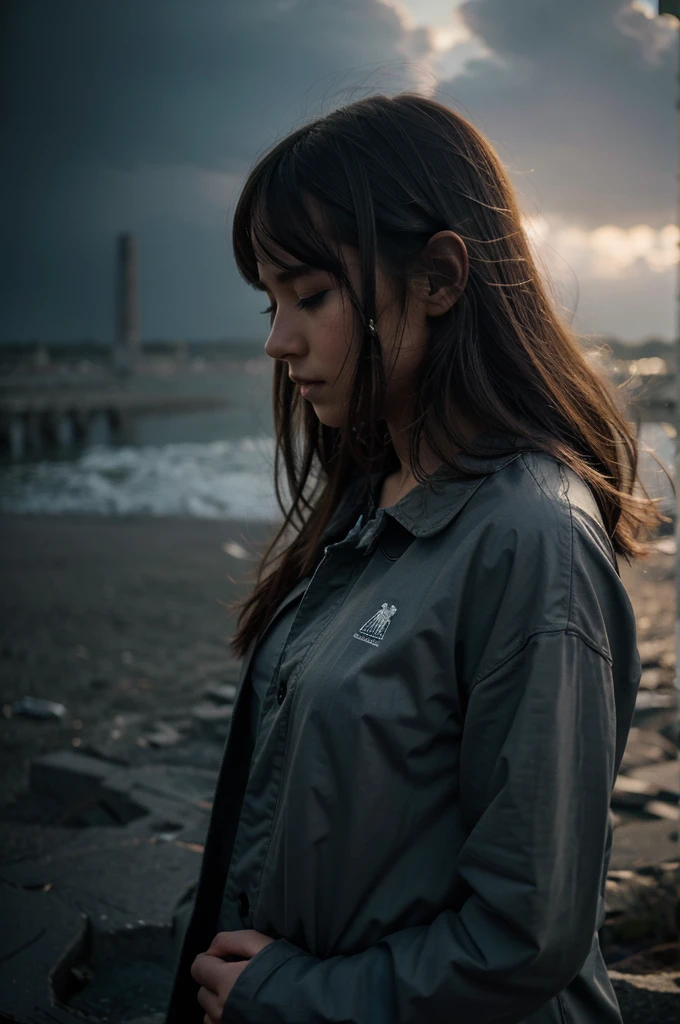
243	904
281	692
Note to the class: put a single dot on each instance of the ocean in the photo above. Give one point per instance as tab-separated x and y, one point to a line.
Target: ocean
215	464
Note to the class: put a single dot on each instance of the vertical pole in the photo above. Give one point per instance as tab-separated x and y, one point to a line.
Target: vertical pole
127	342
672	7
676	418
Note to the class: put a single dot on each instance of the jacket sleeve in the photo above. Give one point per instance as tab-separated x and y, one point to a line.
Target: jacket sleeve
536	771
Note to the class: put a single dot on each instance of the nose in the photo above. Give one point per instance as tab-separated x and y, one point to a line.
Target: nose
283	343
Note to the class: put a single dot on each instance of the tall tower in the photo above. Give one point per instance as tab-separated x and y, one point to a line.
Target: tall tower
127	344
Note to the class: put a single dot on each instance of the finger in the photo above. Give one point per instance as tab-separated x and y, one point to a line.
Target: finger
207	971
209	1002
237	943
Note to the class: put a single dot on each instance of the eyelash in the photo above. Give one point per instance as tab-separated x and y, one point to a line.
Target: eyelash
309	303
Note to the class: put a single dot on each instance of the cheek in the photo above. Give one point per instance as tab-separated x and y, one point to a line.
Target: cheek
335	334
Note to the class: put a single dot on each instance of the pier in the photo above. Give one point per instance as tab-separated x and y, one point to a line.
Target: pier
40	414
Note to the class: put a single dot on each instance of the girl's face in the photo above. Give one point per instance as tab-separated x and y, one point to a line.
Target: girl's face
314	332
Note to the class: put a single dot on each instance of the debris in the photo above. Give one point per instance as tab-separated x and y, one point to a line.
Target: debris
653	677
646	747
641	905
665	957
631	792
653	699
163	735
644	844
647	998
665	775
38	707
661	809
658	651
225	693
206	711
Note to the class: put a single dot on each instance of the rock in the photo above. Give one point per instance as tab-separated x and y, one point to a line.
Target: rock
632	792
127	976
44	932
664	721
115	879
647	700
652	960
659	651
652	678
645	843
223	693
206	711
67	776
661	809
116	739
641	906
646	747
163	735
665	775
38	707
647	999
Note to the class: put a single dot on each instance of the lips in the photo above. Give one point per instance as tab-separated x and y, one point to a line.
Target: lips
305	389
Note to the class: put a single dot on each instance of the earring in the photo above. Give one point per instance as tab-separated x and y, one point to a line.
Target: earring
372	328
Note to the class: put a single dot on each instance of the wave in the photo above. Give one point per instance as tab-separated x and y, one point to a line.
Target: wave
209	480
214	480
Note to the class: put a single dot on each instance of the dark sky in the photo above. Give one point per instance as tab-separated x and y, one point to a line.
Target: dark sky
146	116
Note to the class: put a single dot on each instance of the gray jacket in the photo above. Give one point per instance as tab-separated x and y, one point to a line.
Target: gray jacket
429	796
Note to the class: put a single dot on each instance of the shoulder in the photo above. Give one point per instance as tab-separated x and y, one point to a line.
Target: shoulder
536	502
539	557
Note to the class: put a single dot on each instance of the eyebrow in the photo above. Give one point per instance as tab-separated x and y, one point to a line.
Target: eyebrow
292	274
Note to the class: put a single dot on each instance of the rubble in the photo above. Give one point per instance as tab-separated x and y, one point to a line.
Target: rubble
647	999
119	880
108	837
38	707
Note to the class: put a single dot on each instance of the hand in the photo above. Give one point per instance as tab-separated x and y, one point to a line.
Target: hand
217	977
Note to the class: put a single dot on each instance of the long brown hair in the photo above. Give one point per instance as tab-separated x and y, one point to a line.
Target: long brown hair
387	173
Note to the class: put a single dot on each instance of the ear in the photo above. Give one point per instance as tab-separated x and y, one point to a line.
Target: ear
447	253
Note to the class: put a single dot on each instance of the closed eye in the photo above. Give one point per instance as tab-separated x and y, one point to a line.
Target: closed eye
310	302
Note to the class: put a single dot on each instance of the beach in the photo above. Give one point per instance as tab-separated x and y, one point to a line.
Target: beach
123	621
119	618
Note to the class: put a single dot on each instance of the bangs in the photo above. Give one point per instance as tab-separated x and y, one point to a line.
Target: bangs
276	212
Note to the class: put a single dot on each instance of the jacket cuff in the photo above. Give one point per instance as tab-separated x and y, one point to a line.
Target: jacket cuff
241	1005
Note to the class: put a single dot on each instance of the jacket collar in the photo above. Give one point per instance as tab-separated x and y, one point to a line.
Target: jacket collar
427	509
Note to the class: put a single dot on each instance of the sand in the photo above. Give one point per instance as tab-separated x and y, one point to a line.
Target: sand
111	617
124	622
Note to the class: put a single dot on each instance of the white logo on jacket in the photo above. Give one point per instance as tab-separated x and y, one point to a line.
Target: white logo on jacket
373	631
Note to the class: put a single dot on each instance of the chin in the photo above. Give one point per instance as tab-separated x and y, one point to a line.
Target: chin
327	418
328	414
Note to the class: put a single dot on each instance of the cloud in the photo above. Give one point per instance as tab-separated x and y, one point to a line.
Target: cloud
579	101
146	117
609	280
608	252
143	117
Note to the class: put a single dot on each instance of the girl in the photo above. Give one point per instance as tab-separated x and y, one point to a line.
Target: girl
411	821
